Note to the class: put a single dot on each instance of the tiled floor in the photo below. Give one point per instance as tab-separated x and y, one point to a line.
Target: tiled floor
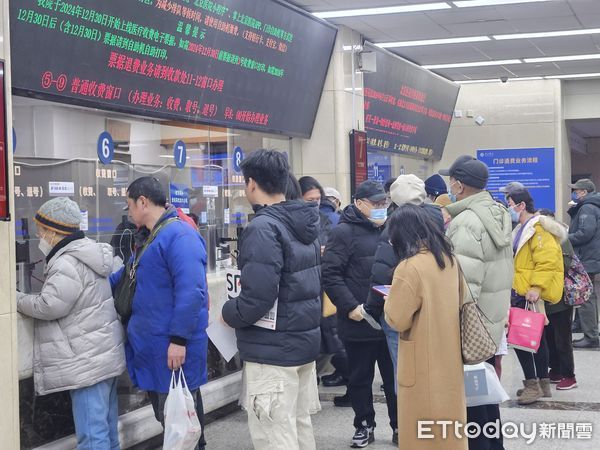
333	426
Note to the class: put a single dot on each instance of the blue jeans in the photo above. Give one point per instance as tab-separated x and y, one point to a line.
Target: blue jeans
391	336
96	416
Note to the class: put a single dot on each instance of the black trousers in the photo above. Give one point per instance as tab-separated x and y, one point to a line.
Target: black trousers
482	415
560	344
362	357
158	405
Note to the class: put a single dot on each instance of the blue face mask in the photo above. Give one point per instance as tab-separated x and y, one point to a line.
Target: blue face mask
574	197
514	215
452	197
379	215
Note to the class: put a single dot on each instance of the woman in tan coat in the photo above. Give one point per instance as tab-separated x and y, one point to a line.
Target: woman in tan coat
423	305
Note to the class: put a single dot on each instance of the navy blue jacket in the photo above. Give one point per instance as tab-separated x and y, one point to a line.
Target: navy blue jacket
584	232
280	259
170	302
347	264
328	208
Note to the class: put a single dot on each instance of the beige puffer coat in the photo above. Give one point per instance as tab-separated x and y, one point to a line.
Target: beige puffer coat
78	339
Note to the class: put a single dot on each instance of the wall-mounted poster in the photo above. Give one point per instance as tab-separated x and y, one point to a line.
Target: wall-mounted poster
4	208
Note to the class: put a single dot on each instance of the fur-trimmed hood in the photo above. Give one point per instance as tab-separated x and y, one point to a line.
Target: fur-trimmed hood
556	228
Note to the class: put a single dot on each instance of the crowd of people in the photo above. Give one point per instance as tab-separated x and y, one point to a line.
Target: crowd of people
432	242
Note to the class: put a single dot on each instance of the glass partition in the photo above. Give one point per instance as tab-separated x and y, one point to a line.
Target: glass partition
56	154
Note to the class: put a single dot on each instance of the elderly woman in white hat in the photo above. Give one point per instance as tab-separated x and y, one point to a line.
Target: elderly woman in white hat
78	344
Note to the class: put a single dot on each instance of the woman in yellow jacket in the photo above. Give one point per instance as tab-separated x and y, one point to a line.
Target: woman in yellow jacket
539	278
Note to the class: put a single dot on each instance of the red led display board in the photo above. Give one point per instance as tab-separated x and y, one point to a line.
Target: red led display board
257	64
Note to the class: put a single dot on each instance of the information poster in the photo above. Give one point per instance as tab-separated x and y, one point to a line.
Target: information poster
257	64
534	167
4	208
358	159
408	109
379	166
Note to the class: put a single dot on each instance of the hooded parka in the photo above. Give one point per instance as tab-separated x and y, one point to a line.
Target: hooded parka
539	259
480	232
78	338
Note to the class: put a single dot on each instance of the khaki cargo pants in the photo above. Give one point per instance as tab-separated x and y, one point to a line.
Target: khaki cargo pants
279	401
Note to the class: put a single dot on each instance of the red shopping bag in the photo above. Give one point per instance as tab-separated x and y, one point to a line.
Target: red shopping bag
525	329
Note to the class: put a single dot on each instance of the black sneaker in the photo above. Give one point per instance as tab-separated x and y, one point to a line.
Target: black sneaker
363	436
395	437
342	401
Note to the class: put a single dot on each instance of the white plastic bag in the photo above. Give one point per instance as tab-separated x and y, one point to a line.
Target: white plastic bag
182	427
482	386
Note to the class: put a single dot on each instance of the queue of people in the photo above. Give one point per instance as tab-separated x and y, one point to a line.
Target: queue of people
434	243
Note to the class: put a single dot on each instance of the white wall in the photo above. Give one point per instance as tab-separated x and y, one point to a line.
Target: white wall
524	114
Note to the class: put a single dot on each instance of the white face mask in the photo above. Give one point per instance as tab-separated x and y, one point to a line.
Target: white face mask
45	247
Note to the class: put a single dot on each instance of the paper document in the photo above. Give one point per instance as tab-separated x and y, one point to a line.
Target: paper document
233	285
223	337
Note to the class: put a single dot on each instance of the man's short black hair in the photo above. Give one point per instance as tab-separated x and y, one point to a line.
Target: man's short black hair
148	187
269	168
522	195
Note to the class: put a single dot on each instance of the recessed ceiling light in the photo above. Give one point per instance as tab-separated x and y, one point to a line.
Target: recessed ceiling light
575	75
383	10
458	40
562	58
473	3
546	34
473	64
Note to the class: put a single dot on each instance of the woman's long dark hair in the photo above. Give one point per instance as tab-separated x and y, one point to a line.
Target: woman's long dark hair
310	183
411	228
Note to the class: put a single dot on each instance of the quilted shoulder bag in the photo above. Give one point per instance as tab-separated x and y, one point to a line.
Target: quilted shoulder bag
476	342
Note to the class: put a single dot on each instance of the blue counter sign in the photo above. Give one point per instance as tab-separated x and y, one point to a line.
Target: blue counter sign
238	157
106	148
180	154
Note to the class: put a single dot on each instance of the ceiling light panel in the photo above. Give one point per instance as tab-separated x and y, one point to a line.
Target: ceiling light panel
546	34
382	11
460	40
473	64
475	3
562	58
575	75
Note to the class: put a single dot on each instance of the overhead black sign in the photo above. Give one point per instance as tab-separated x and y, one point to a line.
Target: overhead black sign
408	109
257	64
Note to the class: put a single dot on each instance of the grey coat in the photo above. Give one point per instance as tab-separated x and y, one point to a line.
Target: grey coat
78	339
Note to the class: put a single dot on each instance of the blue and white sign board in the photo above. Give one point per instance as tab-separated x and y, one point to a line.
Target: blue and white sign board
106	148
180	154
238	157
534	167
180	196
379	167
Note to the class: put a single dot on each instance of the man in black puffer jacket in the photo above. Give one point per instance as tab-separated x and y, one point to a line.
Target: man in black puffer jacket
584	234
407	189
347	264
279	261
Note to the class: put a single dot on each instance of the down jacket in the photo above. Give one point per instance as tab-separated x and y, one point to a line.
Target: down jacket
538	258
386	261
347	264
170	305
584	233
78	338
480	232
280	260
